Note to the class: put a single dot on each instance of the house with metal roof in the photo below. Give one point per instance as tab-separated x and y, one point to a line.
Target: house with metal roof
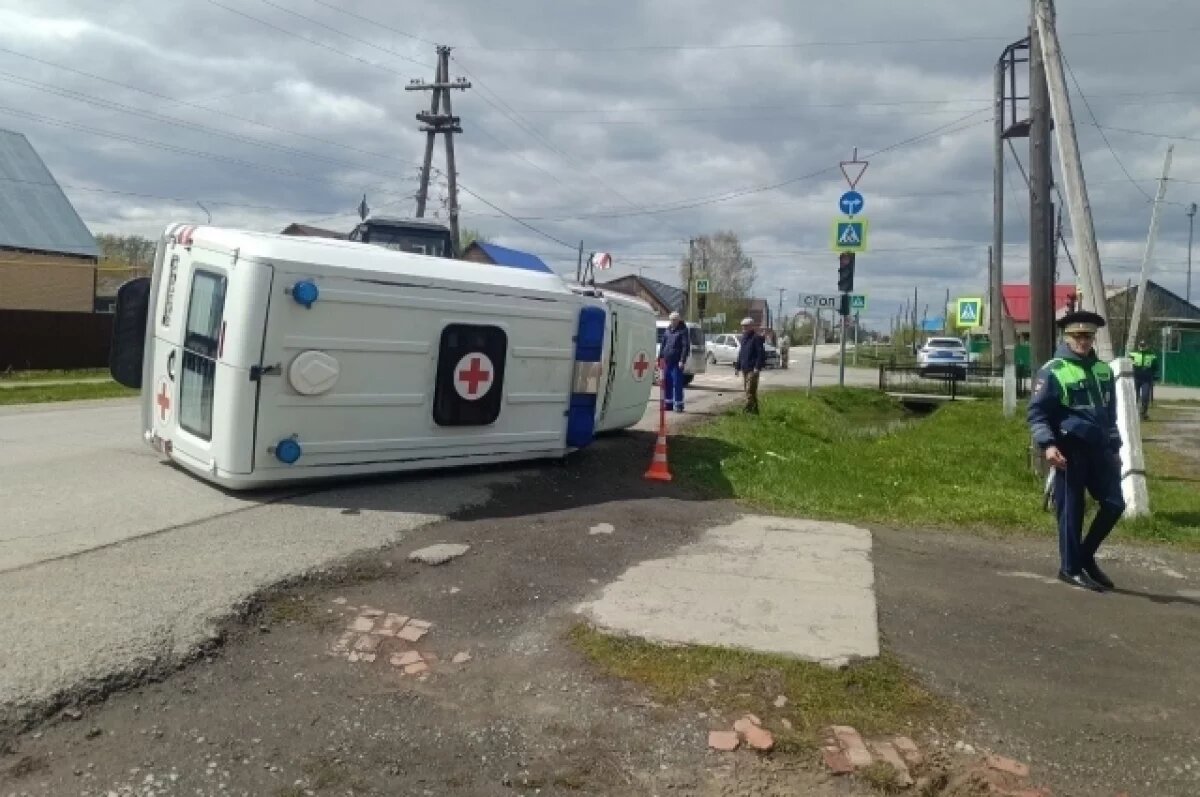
664	298
48	256
494	254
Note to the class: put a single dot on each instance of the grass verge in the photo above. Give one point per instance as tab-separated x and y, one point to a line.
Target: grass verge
840	454
43	394
47	376
877	696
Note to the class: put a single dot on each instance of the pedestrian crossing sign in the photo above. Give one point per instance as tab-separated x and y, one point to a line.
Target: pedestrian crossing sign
858	302
969	314
849	235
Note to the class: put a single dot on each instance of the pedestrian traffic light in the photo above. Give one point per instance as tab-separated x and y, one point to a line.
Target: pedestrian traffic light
702	300
846	272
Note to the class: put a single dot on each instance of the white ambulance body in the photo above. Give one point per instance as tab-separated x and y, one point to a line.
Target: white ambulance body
267	358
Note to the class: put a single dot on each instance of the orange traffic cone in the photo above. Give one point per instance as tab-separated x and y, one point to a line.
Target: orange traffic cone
658	465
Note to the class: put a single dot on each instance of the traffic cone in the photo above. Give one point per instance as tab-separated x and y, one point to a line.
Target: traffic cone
658	465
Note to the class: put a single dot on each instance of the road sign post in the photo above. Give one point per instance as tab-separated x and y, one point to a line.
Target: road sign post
842	340
812	361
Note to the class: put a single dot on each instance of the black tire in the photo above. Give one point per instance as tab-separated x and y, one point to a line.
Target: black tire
687	379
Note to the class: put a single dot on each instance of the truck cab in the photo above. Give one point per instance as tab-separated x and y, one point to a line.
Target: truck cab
418	236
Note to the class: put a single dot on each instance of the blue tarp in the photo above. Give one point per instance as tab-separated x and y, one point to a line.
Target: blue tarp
503	256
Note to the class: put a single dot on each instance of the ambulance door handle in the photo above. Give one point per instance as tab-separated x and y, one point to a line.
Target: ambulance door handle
171	365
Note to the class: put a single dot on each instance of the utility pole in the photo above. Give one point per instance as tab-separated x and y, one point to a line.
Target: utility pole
1187	296
447	124
579	266
995	259
779	317
689	288
1041	179
1133	463
1148	255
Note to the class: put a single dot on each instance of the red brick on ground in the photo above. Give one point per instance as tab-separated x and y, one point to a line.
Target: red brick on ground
852	744
1007	765
723	741
760	739
836	760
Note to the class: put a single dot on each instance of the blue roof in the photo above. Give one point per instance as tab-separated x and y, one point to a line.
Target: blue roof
34	212
503	256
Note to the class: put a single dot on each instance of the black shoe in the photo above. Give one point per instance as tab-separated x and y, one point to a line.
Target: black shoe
1080	579
1096	574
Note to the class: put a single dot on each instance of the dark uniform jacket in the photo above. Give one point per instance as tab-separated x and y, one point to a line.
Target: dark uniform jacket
752	353
1074	399
676	345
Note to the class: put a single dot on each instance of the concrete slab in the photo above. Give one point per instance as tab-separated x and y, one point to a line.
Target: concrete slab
801	588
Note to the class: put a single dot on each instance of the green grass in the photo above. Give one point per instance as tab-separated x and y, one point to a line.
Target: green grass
875	696
842	456
868	357
41	394
46	376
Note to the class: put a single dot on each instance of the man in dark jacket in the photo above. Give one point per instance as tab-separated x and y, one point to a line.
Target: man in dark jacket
676	346
751	358
1145	371
1073	417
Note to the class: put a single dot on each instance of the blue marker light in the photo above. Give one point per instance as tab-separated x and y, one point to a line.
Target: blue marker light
305	292
288	451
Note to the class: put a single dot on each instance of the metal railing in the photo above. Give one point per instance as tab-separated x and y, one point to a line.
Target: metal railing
973	381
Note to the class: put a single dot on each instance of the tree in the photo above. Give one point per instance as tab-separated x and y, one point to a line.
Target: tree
730	271
467	236
133	251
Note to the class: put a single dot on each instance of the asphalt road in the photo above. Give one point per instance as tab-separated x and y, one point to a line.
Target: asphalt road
116	563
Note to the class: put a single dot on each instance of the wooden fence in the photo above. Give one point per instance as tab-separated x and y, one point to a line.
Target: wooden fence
37	340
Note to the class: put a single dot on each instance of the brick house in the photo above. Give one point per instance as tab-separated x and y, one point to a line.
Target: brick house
48	256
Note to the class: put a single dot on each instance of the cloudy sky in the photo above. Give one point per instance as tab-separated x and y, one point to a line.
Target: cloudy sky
632	125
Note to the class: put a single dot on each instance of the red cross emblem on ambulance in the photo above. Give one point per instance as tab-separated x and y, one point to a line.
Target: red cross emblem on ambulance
162	400
473	376
641	364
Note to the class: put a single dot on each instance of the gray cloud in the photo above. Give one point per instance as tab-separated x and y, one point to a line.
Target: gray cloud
582	117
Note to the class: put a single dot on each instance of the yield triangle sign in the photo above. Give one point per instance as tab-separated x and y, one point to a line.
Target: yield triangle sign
856	168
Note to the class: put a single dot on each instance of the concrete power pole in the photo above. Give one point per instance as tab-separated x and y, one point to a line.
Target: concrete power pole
1041	225
1148	256
446	124
1191	214
1133	463
996	252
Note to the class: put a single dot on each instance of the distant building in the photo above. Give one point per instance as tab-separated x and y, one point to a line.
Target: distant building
496	255
308	231
1017	308
48	256
664	298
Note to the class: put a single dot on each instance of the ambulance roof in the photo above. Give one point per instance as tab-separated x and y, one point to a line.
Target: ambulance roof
320	256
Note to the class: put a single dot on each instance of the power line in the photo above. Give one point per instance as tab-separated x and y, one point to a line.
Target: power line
1103	135
172	120
47	120
350	36
798	45
197	106
375	23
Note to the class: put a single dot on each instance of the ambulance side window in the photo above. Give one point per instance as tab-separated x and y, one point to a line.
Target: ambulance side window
206	306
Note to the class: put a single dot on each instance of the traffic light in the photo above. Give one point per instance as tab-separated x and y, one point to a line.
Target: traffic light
846	272
702	300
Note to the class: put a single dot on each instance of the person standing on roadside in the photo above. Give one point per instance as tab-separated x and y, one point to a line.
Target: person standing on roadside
751	357
1073	418
676	347
1145	364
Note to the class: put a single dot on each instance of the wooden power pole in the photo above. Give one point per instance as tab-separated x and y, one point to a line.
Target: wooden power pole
1041	224
435	122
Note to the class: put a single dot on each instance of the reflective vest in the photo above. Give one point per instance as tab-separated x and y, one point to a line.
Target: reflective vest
1077	388
1143	359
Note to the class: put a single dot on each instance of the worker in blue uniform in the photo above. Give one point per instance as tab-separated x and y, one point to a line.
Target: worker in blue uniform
1073	418
674	351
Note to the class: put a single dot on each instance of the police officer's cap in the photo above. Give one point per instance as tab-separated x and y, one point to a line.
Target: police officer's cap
1081	321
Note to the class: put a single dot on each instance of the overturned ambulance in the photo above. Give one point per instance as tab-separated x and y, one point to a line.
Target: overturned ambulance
266	358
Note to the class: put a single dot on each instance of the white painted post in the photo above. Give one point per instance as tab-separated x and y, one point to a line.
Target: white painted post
1133	460
1010	382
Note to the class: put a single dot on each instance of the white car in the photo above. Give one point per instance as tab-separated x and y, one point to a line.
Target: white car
724	349
942	356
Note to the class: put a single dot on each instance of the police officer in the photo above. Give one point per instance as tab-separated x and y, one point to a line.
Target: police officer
676	346
1073	418
1144	373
